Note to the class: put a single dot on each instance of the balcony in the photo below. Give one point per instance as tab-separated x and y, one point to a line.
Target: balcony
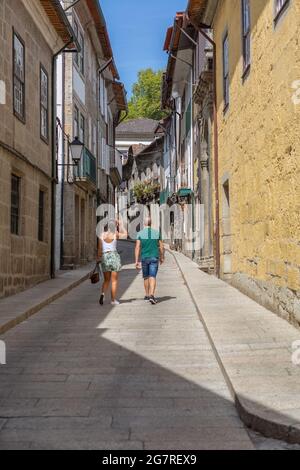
116	169
85	173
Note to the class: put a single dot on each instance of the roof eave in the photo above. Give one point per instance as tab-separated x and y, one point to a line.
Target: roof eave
120	95
173	49
202	12
100	23
64	28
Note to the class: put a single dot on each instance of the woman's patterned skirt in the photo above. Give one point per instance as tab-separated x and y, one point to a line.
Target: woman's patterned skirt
111	262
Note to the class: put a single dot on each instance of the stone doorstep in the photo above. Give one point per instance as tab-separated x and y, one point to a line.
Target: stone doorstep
267	422
16	318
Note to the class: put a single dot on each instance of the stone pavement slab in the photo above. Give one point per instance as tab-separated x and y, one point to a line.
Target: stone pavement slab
136	376
254	350
18	308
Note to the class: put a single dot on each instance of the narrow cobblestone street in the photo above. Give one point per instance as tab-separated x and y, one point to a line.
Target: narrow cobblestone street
130	377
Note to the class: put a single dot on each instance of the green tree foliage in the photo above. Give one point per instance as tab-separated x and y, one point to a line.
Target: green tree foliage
146	97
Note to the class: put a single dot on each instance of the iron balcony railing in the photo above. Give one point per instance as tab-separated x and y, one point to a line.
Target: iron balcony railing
86	170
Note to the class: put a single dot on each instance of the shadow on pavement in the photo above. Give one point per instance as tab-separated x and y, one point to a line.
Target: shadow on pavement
84	377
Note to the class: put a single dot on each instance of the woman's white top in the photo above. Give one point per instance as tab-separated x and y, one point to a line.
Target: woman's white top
107	247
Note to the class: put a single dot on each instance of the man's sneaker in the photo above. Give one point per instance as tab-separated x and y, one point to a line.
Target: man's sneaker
152	300
146	299
115	302
101	300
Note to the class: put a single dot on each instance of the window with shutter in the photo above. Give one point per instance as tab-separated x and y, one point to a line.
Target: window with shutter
246	27
226	71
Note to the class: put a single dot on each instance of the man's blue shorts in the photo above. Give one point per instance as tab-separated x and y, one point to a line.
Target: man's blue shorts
150	267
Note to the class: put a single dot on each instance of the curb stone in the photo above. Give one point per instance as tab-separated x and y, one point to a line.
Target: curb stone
36	308
267	427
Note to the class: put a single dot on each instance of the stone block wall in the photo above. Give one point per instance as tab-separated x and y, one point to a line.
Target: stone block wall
259	149
24	261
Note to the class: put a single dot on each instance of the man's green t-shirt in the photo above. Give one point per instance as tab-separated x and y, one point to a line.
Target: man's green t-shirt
149	239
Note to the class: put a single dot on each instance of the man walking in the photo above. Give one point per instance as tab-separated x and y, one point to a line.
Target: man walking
151	248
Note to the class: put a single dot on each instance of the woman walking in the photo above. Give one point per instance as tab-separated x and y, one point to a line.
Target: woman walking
110	262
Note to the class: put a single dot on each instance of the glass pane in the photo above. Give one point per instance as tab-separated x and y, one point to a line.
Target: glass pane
246	15
225	55
227	90
82	130
247	50
19	58
44	89
81	54
18	97
279	5
41	216
15	202
76	122
44	123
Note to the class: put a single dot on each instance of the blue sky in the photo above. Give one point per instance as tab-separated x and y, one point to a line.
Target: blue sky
137	31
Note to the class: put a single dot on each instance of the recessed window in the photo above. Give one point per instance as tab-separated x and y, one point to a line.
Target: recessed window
76	122
41	221
101	95
79	56
246	34
15	204
81	53
44	105
76	57
19	77
82	129
280	7
226	71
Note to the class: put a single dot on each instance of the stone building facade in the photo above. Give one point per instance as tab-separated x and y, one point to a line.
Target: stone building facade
187	95
257	71
92	102
30	34
202	126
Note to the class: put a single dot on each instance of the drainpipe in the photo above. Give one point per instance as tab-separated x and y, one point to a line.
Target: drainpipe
54	168
124	117
62	218
216	144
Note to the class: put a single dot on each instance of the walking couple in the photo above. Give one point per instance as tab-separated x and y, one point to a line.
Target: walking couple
149	248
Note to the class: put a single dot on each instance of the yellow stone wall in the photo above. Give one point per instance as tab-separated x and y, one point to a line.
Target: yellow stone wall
259	144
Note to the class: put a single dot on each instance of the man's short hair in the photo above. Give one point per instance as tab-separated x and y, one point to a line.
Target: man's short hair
147	221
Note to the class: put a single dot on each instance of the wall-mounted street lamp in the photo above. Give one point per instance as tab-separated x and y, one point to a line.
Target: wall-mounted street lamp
76	150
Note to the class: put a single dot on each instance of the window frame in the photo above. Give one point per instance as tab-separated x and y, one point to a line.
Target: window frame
101	95
76	30
21	117
42	107
17	207
79	57
278	12
41	215
81	53
82	129
246	37
76	122
225	78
